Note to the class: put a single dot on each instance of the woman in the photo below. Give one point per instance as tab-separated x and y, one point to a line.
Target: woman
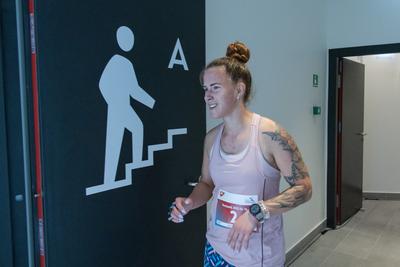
244	158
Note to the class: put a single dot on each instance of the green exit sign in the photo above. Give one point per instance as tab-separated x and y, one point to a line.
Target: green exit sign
315	80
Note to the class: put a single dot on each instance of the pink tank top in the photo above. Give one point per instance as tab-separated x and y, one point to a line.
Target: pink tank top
239	182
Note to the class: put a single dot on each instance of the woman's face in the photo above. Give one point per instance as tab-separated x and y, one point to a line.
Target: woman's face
220	93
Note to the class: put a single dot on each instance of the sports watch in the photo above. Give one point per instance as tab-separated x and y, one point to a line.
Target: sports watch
259	211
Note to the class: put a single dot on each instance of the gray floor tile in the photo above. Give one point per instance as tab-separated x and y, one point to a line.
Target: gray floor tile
331	239
351	223
358	244
384	209
370	238
338	259
370	228
314	256
391	230
378	218
395	219
369	204
388	246
378	261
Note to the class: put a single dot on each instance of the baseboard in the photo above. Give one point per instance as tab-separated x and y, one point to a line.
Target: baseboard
303	244
380	195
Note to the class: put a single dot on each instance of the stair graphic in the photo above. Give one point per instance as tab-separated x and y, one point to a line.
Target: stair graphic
136	165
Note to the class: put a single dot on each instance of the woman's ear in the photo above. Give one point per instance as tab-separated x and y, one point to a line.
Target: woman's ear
241	88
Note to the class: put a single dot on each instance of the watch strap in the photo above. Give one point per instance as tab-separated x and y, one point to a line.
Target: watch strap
264	209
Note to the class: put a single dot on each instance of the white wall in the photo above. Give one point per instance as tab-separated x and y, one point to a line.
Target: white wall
381	110
288	44
362	22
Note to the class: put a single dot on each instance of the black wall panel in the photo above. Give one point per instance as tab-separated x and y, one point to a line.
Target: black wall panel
125	226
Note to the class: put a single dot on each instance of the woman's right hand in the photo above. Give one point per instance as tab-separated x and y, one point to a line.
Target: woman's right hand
179	208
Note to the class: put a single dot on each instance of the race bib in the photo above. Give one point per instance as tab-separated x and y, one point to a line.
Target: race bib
230	206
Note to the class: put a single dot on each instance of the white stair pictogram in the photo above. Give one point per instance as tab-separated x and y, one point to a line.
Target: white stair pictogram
136	165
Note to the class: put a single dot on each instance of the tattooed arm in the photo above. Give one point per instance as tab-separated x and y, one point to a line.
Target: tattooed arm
280	150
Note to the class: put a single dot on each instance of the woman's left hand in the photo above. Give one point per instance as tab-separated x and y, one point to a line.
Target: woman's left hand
241	231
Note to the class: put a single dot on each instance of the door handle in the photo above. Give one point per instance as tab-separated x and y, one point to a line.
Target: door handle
361	134
192	184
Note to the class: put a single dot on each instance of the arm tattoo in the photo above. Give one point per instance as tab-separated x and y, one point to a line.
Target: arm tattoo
286	142
290	198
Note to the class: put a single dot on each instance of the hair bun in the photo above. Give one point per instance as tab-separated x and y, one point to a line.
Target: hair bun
238	51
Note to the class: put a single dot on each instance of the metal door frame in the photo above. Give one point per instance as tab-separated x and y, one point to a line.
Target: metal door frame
15	168
332	122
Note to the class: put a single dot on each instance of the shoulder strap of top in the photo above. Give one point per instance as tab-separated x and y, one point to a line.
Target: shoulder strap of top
254	128
255	119
217	141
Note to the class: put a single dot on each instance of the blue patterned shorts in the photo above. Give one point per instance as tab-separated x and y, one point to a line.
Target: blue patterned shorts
212	258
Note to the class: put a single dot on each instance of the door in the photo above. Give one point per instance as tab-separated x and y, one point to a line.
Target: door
350	139
121	130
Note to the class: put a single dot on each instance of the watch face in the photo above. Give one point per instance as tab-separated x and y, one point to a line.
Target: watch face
254	209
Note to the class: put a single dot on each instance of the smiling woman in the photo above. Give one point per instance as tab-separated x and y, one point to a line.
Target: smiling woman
243	160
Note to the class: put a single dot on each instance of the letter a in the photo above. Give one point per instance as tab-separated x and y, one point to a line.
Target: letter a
174	60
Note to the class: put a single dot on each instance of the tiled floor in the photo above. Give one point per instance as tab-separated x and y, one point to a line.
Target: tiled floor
371	238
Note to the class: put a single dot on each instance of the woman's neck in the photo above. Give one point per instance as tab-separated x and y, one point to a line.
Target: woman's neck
237	121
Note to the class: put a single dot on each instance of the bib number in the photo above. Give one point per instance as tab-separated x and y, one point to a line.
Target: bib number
230	206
